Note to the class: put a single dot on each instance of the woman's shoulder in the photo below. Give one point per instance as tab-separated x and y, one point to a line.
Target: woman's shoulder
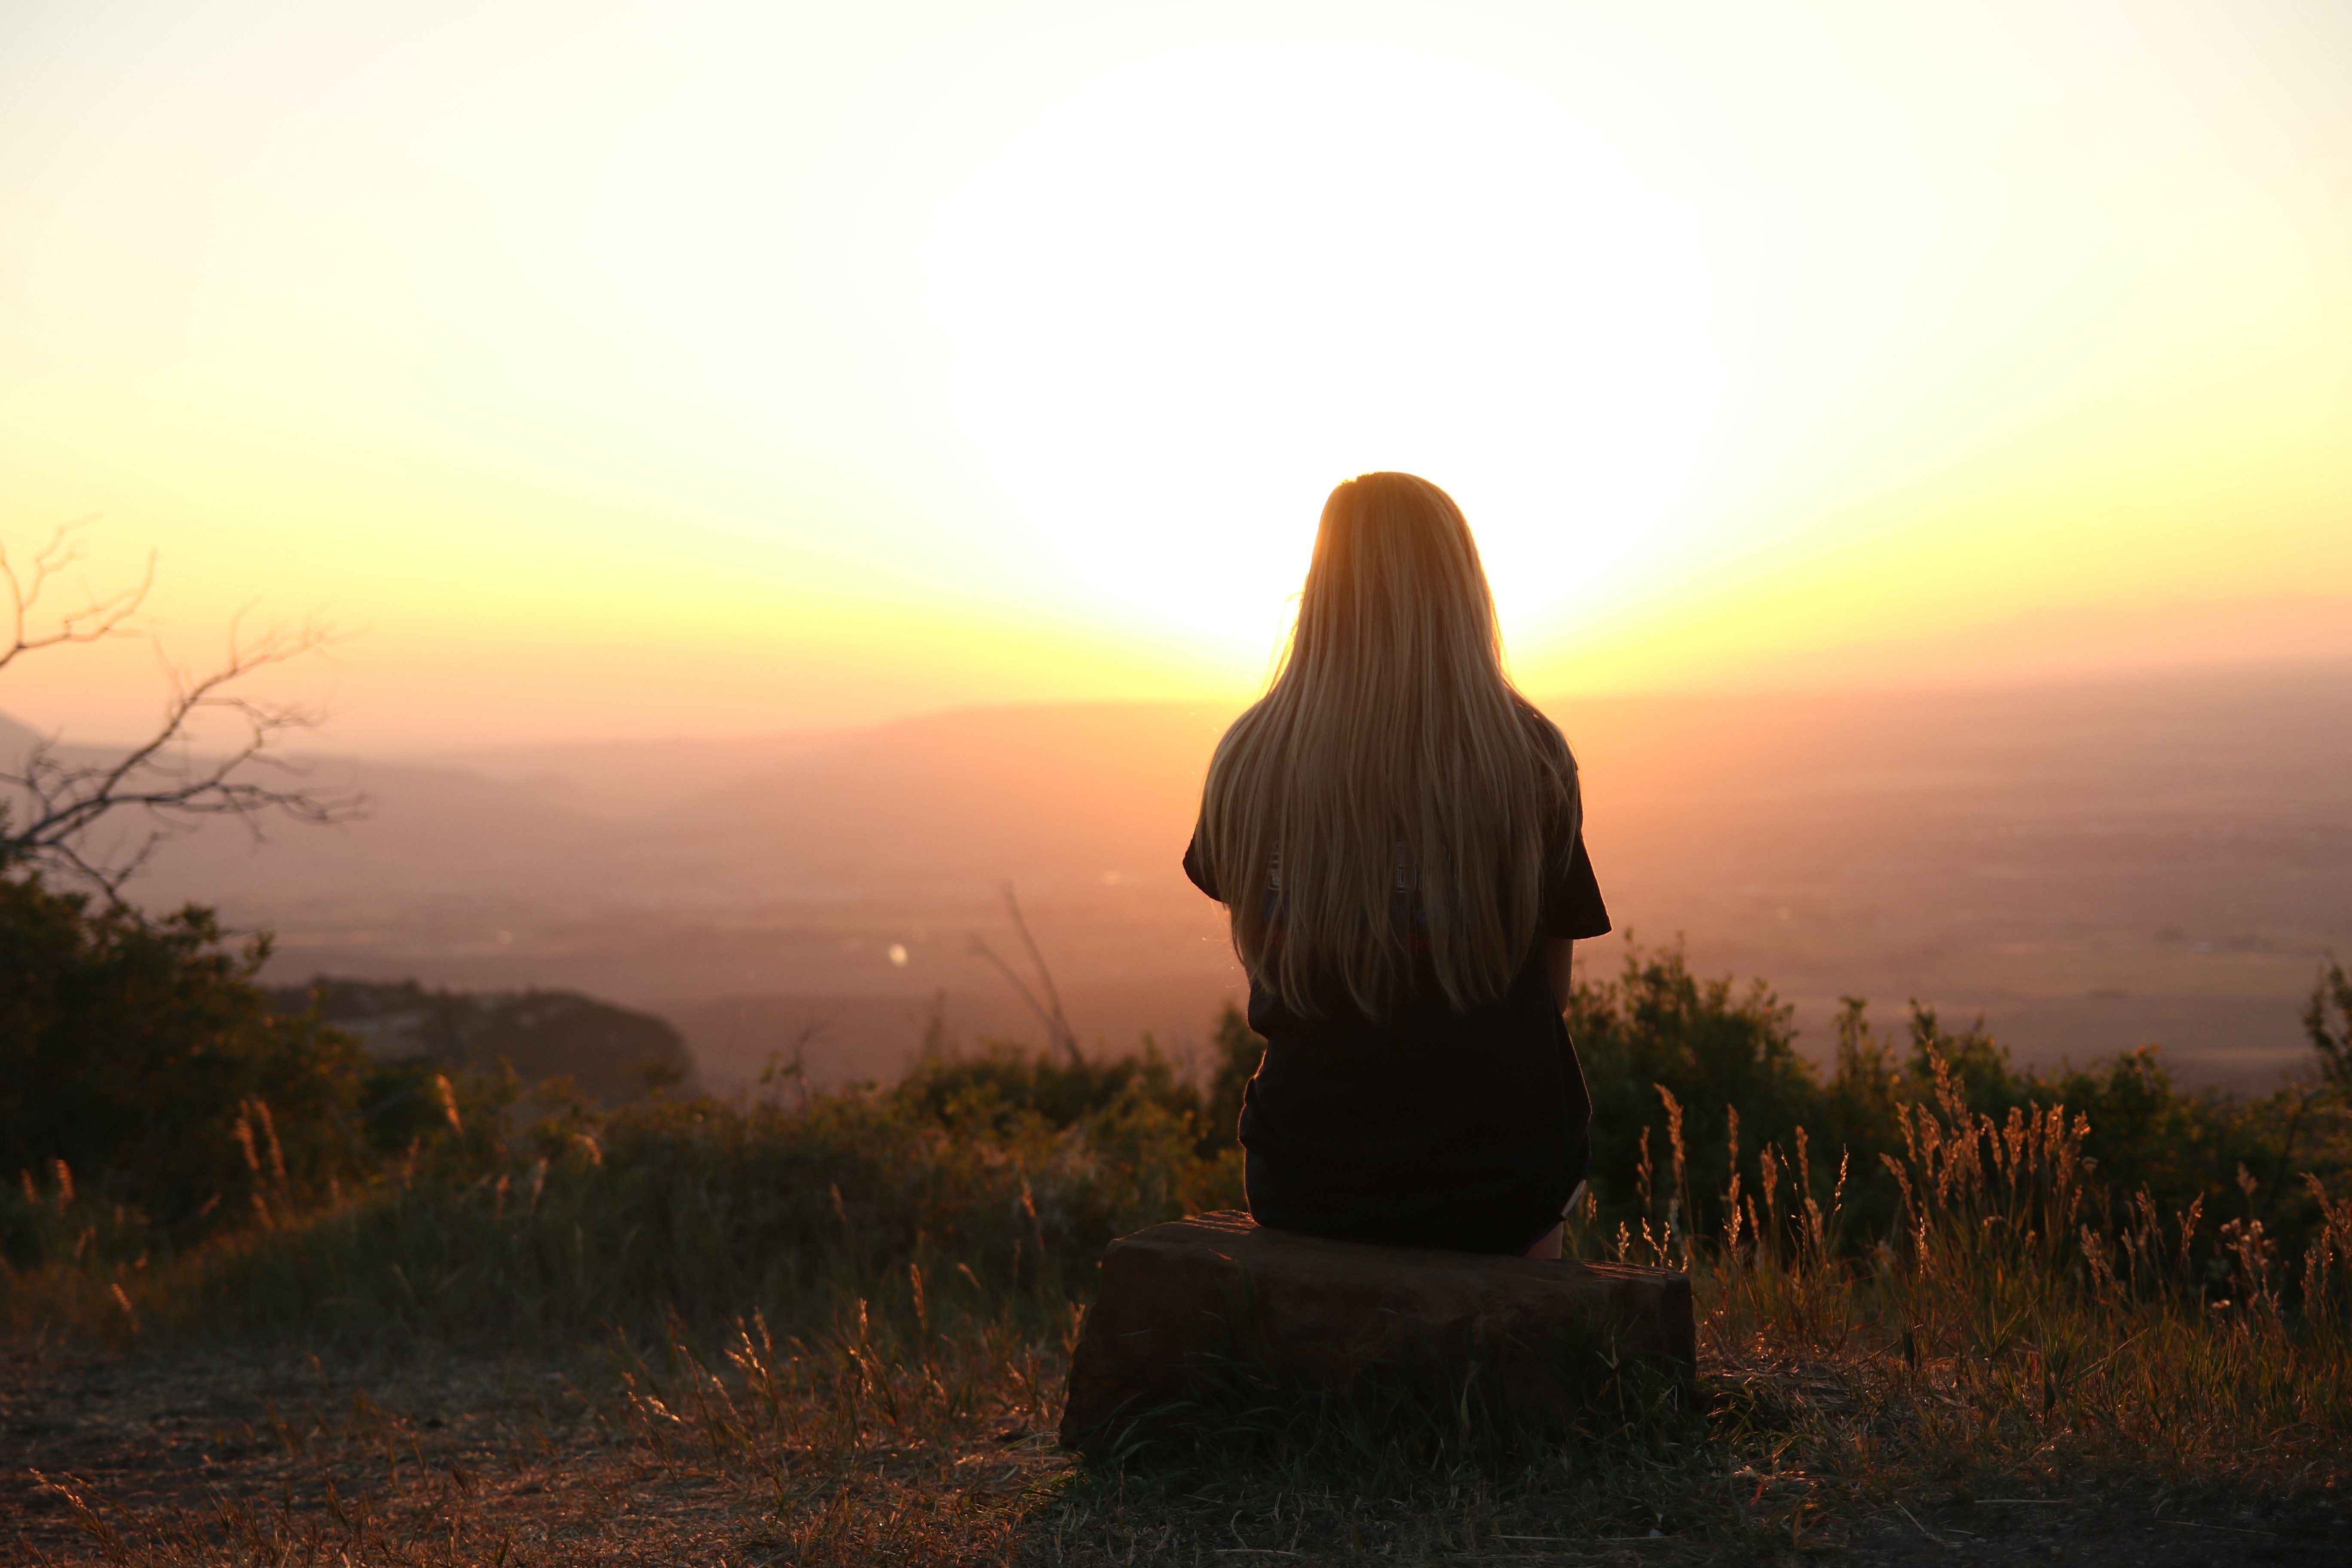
1244	726
1548	741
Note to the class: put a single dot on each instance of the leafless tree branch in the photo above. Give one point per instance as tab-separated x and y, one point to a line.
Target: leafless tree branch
58	802
1049	1009
95	619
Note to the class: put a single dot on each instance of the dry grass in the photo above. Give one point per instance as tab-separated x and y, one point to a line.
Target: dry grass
2014	1371
856	1446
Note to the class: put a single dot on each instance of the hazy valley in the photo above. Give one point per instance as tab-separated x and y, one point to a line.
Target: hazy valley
2092	866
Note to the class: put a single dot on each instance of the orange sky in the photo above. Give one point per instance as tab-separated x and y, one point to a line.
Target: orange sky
627	369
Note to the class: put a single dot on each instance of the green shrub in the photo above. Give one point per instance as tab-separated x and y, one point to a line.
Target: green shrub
1000	1083
145	1069
456	1201
711	1209
1000	1086
1672	1059
1715	1050
611	1054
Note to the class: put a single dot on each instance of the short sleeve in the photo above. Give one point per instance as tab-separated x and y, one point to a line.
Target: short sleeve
1572	908
1195	868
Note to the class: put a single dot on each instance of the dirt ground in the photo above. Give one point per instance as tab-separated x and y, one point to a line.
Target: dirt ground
439	1459
151	1459
225	1458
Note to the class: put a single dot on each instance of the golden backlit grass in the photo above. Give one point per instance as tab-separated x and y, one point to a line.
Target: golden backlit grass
838	1335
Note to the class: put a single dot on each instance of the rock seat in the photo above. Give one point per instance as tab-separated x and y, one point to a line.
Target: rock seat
1324	1311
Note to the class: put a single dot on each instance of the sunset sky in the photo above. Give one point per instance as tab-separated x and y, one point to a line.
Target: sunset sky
613	368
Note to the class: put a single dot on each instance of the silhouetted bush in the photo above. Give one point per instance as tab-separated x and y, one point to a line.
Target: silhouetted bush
142	1055
998	1086
1711	1047
611	1054
143	1065
1717	1051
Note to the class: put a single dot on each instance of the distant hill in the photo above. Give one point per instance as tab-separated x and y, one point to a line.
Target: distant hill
611	1053
2090	865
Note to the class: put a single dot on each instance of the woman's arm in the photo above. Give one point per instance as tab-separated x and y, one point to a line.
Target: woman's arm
1556	956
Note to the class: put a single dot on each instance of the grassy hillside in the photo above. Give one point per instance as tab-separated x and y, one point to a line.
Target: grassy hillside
827	1326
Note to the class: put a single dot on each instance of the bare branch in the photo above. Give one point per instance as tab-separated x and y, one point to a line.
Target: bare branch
1057	1023
162	778
95	619
795	1070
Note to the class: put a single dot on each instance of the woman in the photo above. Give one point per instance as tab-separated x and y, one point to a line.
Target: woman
1396	834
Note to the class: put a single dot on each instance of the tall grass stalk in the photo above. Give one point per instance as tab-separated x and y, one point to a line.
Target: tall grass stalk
2015	1326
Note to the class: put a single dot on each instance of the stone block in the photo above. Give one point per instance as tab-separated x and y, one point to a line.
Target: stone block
1323	1311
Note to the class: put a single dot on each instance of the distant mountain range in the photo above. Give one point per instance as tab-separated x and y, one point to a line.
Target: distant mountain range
975	796
2090	864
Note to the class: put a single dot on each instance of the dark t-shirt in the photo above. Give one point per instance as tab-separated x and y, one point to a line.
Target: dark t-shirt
1463	1131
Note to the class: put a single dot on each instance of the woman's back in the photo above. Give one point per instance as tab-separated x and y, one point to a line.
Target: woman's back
1397	837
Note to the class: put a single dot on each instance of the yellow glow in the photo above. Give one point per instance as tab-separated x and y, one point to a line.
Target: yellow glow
740	367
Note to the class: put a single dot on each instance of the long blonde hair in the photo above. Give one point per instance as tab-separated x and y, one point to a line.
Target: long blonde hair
1392	791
